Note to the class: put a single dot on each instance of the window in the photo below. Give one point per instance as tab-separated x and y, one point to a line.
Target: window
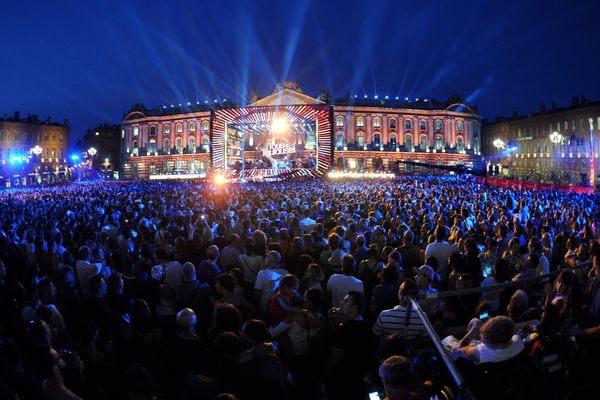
204	125
459	126
339	142
439	142
152	146
153	130
360	122
178	145
360	140
407	124
192	144
122	133
422	125
377	122
408	144
205	143
166	145
60	137
377	141
53	153
459	144
152	168
47	152
439	125
192	127
423	142
135	150
135	132
393	141
179	128
339	121
167	129
581	125
393	123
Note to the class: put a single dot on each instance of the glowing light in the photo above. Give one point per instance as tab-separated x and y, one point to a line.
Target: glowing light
280	125
220	180
397	97
75	157
97	133
376	97
499	144
406	98
555	137
37	150
92	151
341	175
387	97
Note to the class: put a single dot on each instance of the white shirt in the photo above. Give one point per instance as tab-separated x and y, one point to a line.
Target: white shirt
339	285
487	354
85	270
441	251
543	266
266	281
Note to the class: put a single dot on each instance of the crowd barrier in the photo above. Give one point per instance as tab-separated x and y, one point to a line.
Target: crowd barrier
499	286
515	184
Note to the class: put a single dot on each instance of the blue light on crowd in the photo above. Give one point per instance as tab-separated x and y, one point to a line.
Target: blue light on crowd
365	96
75	157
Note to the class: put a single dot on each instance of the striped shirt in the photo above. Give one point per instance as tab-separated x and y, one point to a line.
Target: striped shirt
394	321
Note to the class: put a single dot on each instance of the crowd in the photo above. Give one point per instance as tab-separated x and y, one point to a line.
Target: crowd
296	290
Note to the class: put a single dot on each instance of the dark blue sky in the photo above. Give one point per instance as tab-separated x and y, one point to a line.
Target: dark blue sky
89	61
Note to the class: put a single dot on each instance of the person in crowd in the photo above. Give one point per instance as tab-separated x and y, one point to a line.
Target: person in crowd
339	285
402	319
268	278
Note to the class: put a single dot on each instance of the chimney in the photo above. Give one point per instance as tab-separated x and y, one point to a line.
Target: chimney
18	115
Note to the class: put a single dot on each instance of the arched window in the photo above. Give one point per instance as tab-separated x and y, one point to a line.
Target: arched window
360	140
135	150
205	143
422	125
360	122
179	128
205	125
178	144
407	124
339	121
408	143
152	146
376	141
167	128
439	142
339	142
136	132
152	130
192	144
166	145
439	125
423	142
459	144
392	123
393	141
192	127
459	126
377	123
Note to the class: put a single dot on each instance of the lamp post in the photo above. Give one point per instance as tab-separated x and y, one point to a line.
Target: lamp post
499	144
556	138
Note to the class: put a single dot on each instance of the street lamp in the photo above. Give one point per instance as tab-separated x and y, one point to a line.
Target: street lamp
92	151
37	150
499	144
555	137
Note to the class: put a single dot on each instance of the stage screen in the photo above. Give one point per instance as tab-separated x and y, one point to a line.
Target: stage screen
272	140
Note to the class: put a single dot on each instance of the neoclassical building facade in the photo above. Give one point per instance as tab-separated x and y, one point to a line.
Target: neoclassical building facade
363	134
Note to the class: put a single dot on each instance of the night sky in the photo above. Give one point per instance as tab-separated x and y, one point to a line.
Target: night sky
90	61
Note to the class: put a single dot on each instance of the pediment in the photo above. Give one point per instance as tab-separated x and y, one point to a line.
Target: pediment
286	97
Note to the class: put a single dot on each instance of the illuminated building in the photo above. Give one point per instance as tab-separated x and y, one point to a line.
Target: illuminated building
354	134
550	146
32	151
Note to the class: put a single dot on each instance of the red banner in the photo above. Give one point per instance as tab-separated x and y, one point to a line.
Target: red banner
514	184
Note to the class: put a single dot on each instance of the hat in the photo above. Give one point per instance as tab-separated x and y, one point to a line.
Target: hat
336	257
425	270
